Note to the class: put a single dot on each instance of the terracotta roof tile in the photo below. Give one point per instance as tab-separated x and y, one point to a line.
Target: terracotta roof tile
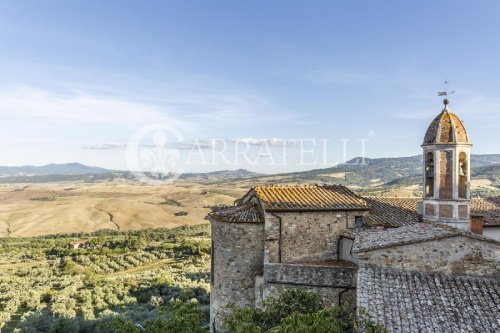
393	211
487	207
309	197
405	301
446	128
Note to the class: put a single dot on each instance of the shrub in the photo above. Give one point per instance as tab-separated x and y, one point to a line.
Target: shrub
181	213
298	310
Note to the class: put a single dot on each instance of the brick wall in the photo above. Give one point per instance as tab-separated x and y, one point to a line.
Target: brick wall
430	209
445	174
445	211
463	212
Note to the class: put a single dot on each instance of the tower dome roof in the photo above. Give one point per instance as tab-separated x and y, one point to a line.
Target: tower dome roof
446	128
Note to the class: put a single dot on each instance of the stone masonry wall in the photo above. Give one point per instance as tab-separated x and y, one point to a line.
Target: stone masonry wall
238	255
334	285
316	275
457	255
306	235
329	296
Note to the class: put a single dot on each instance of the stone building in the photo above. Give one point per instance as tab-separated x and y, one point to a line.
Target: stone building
276	237
403	259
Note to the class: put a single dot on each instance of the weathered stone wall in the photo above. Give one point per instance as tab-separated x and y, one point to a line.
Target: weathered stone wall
306	235
237	256
492	232
335	285
329	296
272	238
457	255
314	275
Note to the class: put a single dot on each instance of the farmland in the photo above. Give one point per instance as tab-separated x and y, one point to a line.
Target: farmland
135	277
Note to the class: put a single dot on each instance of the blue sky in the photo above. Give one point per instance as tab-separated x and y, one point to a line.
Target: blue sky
79	78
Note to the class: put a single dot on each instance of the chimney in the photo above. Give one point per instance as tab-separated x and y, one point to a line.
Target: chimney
476	224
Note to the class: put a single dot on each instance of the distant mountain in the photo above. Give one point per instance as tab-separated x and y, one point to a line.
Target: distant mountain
51	169
385	173
221	175
484	160
79	172
358	173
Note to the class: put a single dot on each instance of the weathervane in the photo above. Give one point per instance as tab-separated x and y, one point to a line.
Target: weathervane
445	92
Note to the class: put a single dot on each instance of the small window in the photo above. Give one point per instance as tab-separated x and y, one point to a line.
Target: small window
358	220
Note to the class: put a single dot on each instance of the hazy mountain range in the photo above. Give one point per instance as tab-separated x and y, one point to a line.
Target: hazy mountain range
50	169
358	172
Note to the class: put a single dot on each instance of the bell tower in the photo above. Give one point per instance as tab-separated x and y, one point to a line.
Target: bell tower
446	148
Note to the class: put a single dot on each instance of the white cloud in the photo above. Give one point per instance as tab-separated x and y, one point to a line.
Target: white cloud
326	75
83	108
339	77
105	146
196	144
269	142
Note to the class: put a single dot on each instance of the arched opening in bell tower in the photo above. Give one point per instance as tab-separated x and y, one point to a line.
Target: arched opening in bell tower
429	174
462	175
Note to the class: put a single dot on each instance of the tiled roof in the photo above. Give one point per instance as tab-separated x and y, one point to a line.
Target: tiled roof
400	211
371	239
487	207
248	212
446	128
393	211
309	197
405	301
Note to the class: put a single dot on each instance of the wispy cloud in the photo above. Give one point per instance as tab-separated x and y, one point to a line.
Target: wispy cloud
269	142
339	77
105	146
327	75
187	108
83	108
196	144
417	114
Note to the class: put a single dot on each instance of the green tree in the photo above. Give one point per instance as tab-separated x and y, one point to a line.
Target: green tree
186	318
298	311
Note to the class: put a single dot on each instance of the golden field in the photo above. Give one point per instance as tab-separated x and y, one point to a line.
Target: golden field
40	209
65	207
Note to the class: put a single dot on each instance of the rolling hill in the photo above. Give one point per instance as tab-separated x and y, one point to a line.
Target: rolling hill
51	169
